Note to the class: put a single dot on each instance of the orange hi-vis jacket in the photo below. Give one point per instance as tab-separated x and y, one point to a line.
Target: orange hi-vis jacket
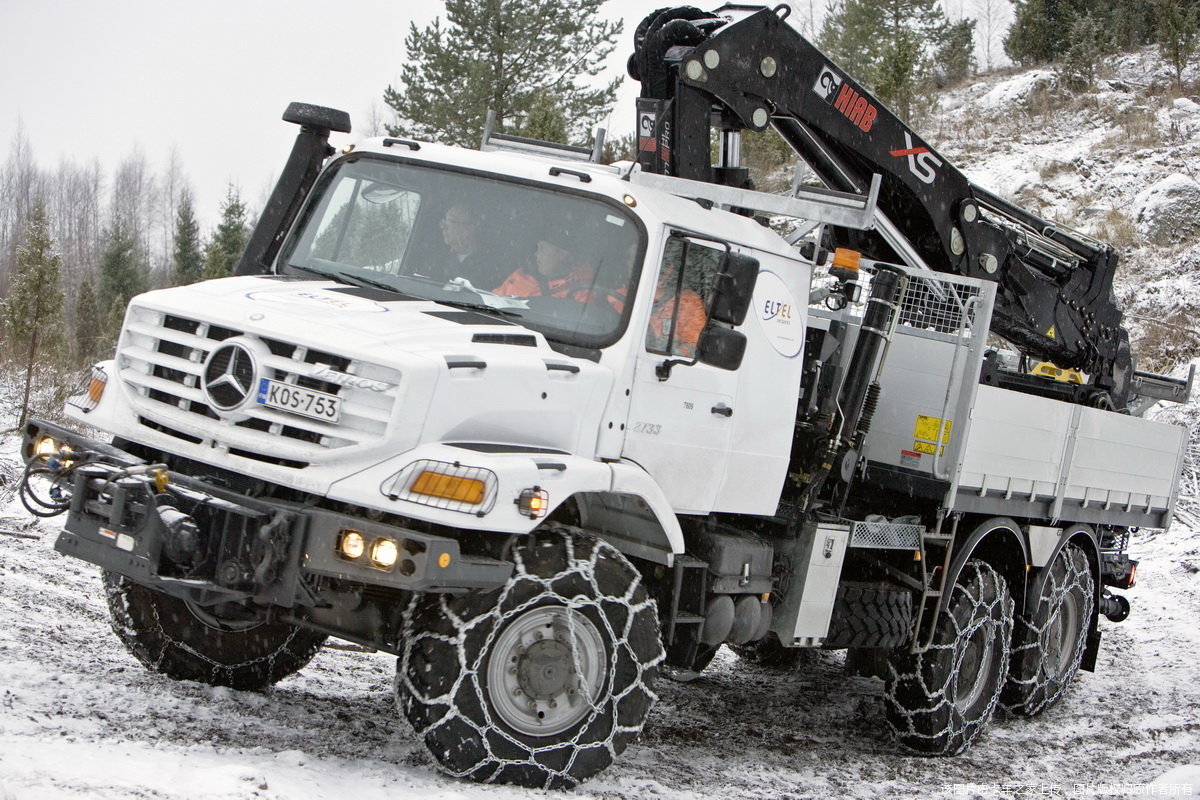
577	285
689	321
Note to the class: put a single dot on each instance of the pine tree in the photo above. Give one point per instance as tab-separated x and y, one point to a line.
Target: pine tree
1037	33
123	274
890	46
955	59
1089	42
33	309
546	120
770	160
88	324
224	249
502	55
1049	30
189	261
1178	31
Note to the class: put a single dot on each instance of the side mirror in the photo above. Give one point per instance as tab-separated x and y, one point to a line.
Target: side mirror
734	288
721	347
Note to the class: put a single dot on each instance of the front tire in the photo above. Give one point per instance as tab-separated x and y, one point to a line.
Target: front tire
1048	646
540	683
188	643
938	700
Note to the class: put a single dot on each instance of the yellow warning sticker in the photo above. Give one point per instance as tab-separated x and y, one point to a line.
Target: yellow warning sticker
925	447
932	428
1050	333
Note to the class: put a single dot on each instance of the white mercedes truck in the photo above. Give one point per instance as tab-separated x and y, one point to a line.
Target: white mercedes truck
910	429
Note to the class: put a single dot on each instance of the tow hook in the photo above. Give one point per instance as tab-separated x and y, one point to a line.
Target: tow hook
1114	606
181	536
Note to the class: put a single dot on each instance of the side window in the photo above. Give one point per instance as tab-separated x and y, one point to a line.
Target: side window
682	296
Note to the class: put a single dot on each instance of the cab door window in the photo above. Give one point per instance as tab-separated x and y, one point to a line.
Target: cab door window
682	296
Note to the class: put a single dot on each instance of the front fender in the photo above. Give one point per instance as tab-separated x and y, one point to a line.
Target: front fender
618	501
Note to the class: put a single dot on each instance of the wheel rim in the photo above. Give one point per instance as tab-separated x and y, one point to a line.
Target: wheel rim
211	620
546	670
1061	635
975	666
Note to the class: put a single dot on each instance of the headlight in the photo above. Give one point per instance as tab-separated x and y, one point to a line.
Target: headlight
351	545
384	553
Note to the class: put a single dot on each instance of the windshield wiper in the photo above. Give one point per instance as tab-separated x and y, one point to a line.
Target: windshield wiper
314	271
481	307
359	280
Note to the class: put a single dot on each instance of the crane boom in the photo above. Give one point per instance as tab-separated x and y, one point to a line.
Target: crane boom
745	67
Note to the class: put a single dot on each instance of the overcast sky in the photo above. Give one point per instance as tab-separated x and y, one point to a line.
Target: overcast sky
95	79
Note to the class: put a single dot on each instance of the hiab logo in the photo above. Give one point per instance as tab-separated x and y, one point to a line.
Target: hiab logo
853	106
827	84
921	162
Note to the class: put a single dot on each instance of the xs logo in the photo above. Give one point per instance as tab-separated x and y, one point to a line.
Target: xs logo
921	162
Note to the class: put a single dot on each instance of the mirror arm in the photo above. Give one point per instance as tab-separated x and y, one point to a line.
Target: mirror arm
663	370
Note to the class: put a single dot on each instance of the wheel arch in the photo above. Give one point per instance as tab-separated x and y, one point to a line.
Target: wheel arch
1000	542
1084	537
633	515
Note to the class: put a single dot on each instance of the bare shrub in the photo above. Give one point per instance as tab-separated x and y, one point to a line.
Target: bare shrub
1117	228
1168	341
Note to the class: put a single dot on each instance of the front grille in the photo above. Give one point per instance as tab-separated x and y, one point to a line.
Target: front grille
162	361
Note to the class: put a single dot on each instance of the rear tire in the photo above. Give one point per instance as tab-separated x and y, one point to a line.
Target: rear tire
939	700
1048	646
188	643
869	615
540	683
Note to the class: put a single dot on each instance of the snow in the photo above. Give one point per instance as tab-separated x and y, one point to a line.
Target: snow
1007	93
1169	210
80	718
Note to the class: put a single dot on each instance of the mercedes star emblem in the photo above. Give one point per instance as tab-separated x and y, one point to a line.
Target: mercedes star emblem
229	376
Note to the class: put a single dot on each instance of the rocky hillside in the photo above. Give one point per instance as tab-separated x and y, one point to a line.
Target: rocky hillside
1120	162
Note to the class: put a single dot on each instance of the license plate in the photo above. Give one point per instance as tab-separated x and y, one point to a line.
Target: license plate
298	400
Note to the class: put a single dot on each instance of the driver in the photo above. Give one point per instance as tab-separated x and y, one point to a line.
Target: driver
559	271
461	231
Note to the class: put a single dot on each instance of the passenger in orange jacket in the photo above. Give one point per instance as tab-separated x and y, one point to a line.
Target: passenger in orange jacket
675	311
558	272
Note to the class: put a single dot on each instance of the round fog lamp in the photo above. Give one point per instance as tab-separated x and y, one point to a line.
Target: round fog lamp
384	553
352	545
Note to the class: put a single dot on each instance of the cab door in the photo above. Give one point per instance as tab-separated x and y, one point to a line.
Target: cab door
681	412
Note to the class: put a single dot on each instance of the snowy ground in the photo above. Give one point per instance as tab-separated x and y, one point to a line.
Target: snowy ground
80	718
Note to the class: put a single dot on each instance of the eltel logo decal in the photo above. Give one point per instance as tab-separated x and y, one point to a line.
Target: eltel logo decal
853	105
776	308
781	319
921	162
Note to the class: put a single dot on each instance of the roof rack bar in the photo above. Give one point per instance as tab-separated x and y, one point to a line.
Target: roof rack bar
504	141
847	209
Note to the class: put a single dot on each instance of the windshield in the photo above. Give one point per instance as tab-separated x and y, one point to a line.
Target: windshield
557	262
